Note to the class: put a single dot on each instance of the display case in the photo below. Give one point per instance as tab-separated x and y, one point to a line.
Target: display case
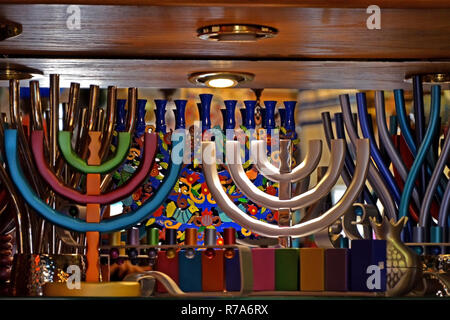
225	149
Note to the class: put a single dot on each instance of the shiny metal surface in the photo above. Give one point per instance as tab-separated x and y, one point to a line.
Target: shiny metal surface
374	176
72	112
54	112
36	105
131	122
236	32
285	190
349	222
93	104
302	229
147	282
329	135
322	188
304	169
385	137
16	122
23	221
131	109
404	268
111	120
425	210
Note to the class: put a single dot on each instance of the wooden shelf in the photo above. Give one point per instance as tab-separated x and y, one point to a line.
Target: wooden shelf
148	43
170	32
367	75
425	4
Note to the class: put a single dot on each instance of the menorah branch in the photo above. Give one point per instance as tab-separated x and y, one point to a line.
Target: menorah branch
302	229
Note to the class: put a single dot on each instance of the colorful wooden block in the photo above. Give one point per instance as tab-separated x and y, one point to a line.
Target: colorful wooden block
213	272
359	261
379	252
105	270
336	269
233	272
312	273
263	269
364	254
287	269
190	272
167	266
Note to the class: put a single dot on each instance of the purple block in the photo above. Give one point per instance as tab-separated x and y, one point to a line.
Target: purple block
336	269
233	272
365	253
263	269
379	258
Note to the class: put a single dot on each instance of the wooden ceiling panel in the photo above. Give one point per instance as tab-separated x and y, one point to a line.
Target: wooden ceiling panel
365	75
170	32
398	4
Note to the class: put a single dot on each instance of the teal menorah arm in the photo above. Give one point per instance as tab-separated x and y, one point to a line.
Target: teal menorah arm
116	223
65	145
423	150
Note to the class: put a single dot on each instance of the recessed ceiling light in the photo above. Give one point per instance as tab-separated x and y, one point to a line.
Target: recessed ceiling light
221	83
431	78
9	29
14	71
236	32
220	79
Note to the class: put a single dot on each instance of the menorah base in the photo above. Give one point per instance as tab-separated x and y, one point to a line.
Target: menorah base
94	289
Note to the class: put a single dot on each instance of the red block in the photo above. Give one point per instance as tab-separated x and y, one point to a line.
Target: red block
213	277
167	266
263	269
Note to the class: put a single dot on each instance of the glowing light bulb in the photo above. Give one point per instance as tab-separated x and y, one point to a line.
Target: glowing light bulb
221	83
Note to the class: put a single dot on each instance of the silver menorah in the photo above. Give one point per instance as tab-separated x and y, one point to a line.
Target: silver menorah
285	176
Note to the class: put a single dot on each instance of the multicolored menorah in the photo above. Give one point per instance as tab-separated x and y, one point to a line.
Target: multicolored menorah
93	198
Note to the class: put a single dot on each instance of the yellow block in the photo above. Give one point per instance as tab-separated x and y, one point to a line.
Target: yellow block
312	269
122	251
92	289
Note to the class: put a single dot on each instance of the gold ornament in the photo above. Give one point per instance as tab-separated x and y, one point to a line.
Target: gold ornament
404	268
